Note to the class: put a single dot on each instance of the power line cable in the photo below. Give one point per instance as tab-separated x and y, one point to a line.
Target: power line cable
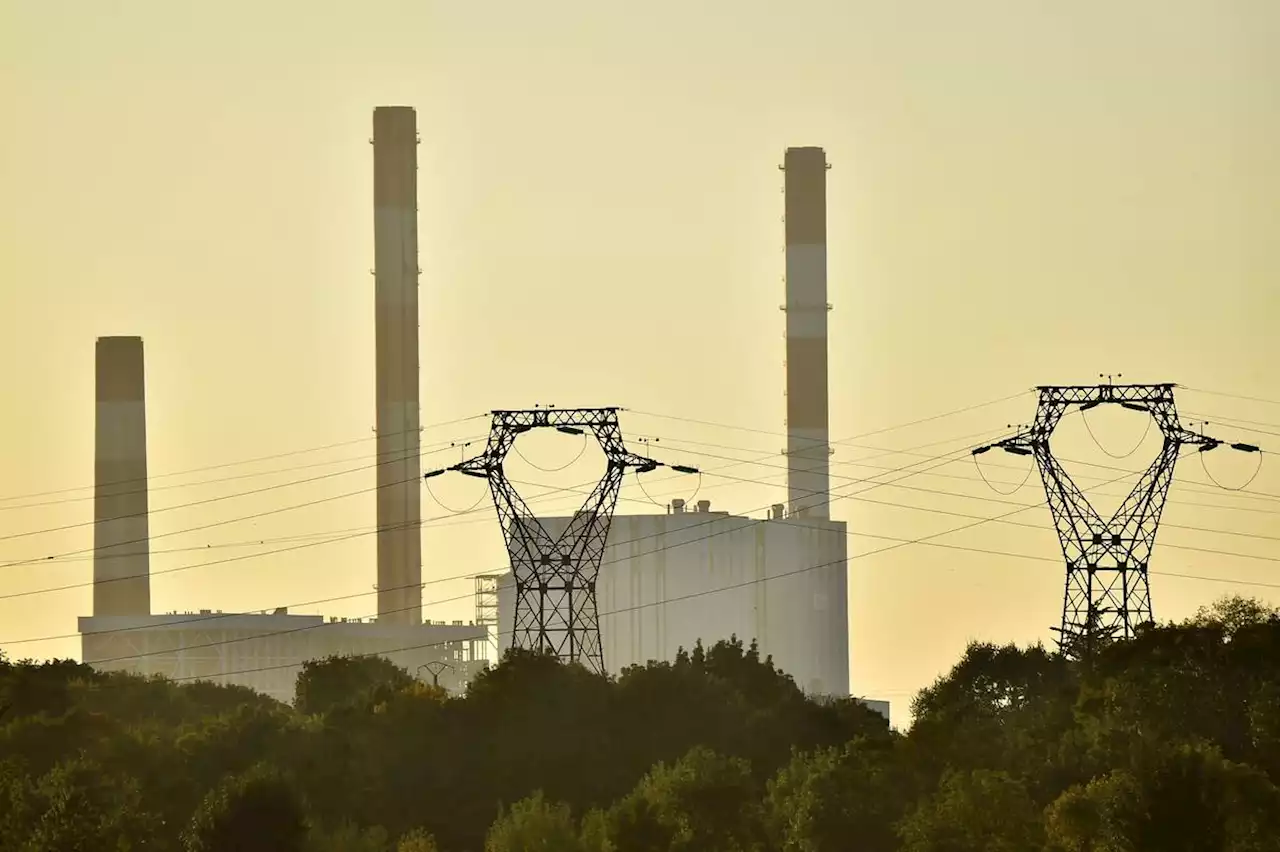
693	595
880	452
894	428
581	452
1016	488
254	516
283	485
243	557
1232	421
1136	447
237	463
980	497
979	520
221	498
1257	470
883	452
711	520
873	484
1230	395
435	523
151	489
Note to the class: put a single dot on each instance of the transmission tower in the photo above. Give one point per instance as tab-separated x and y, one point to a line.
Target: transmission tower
555	576
1107	594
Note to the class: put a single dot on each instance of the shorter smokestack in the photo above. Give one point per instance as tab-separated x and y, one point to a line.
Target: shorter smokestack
121	550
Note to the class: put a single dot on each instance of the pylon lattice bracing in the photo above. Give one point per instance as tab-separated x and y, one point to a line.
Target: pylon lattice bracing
555	577
1107	593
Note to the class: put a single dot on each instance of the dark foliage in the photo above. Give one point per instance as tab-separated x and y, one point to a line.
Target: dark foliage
1165	743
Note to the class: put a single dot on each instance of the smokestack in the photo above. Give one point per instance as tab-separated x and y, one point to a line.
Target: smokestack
120	531
395	234
807	430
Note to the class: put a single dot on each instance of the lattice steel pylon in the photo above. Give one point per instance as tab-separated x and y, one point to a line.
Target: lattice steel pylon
555	577
1107	593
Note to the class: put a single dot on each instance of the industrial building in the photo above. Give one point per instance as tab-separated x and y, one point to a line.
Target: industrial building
265	651
667	581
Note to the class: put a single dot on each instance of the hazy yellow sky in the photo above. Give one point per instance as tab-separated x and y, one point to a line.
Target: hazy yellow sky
1022	193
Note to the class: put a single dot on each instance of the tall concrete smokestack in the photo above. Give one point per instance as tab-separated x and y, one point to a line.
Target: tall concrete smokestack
395	234
808	462
120	530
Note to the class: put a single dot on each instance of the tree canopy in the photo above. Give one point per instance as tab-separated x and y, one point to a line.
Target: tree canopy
1165	743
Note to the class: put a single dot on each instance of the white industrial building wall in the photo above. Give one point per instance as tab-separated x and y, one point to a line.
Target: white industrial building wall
669	580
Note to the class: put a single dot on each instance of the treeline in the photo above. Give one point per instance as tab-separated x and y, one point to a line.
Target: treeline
1165	743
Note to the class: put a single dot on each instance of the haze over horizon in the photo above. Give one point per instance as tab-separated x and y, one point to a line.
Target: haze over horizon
1017	198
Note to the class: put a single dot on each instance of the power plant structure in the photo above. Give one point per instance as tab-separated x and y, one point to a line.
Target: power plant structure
594	588
619	594
266	650
667	581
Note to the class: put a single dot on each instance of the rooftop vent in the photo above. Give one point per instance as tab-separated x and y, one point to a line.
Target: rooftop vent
704	505
677	506
777	511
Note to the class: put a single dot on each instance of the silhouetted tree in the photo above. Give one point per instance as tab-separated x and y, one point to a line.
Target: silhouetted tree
822	800
257	811
334	682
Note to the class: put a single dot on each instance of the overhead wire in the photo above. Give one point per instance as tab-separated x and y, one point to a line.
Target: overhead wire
573	490
243	557
857	497
332	540
980	497
1145	432
483	494
852	480
210	617
894	428
1030	470
277	486
151	489
1257	470
911	541
221	498
711	520
928	540
706	592
1235	421
640	483
250	517
1181	484
581	452
1230	395
875	484
234	463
